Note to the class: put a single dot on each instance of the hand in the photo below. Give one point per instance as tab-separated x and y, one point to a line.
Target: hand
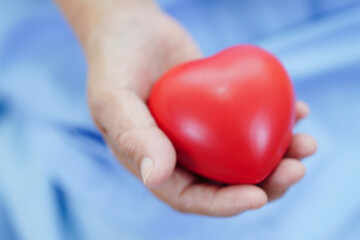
128	48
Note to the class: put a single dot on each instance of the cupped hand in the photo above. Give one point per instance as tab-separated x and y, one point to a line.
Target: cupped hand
127	51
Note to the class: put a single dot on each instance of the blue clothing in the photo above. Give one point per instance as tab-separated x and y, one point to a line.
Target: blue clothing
59	181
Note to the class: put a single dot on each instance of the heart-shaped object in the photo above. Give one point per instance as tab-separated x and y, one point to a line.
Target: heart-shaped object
229	116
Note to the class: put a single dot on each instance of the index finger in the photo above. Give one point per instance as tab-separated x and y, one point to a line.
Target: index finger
185	193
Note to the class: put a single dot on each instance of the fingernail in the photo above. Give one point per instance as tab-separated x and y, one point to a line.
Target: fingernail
147	167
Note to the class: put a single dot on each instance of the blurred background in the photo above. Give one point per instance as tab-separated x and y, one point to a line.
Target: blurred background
59	181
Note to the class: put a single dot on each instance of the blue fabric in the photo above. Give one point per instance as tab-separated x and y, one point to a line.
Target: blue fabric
59	181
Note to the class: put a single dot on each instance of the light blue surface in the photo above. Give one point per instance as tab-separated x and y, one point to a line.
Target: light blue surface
58	181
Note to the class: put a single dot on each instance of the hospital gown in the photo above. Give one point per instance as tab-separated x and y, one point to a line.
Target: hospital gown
58	179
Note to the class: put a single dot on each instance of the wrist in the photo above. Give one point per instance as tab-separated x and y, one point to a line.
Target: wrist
87	17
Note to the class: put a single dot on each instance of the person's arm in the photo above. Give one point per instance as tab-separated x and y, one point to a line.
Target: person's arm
129	44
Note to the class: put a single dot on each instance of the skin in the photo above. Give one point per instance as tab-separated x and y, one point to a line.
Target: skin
128	45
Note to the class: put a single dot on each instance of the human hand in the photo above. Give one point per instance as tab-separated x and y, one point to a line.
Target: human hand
129	45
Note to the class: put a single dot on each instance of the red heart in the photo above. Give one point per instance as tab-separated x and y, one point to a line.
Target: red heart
229	116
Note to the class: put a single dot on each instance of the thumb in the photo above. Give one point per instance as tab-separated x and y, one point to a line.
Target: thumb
127	123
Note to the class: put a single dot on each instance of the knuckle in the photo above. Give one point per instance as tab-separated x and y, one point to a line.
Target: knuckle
277	195
125	141
99	102
179	208
100	99
184	206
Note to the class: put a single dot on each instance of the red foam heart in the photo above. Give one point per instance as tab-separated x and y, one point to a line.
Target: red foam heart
229	116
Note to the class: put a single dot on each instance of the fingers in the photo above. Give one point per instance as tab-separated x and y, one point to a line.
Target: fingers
215	200
301	146
289	172
185	193
302	110
125	120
